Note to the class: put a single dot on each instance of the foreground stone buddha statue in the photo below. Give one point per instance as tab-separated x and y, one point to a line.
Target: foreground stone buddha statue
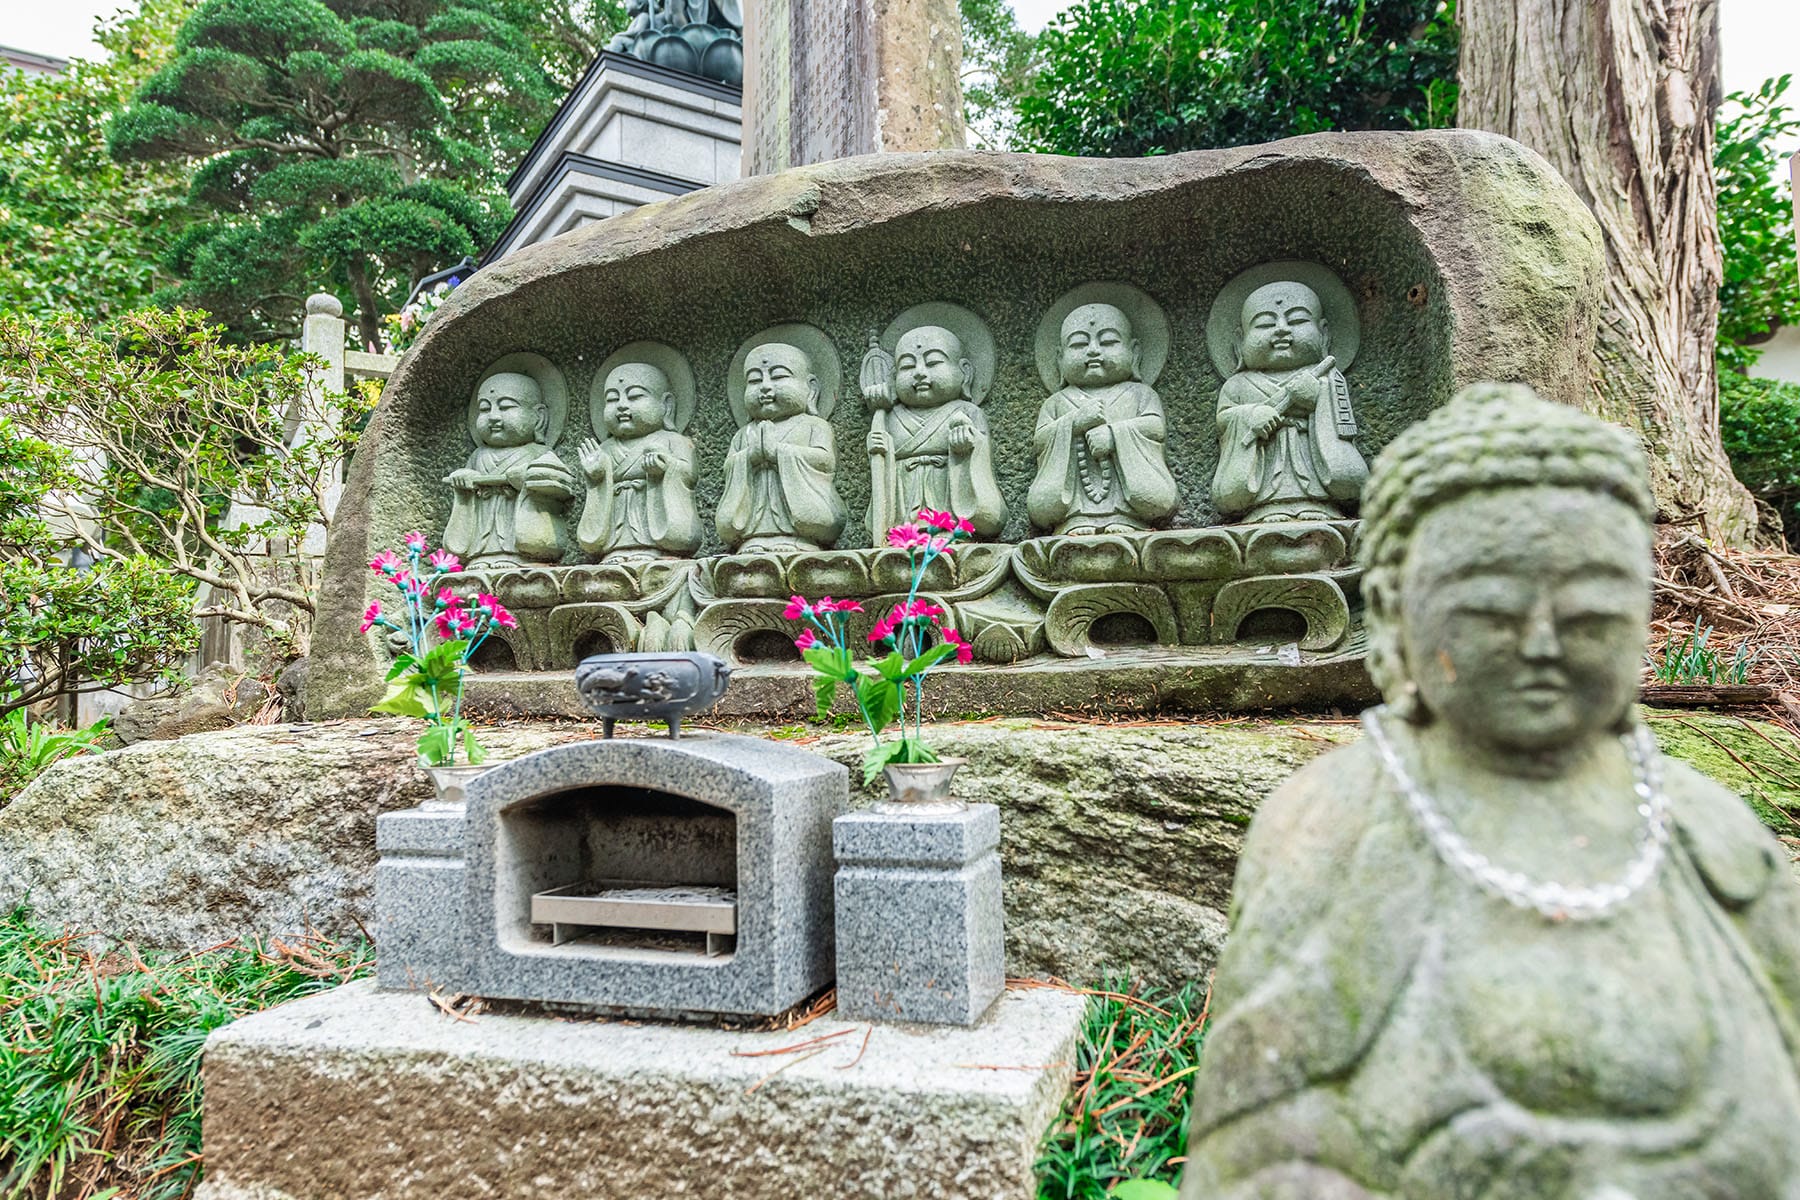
509	498
780	491
1284	416
1099	439
1502	949
640	498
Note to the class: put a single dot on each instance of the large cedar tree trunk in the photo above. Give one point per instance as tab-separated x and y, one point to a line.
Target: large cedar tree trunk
1620	96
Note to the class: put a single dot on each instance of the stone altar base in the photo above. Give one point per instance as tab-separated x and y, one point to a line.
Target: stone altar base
358	1093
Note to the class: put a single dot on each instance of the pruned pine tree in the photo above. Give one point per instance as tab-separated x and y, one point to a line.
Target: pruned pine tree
1620	97
349	140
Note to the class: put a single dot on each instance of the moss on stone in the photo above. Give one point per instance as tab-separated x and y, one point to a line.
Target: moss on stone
1758	760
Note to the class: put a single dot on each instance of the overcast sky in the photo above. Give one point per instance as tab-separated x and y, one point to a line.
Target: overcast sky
1761	37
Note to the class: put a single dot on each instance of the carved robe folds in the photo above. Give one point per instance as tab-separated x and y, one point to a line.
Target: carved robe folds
1301	469
1081	491
636	509
936	469
512	512
779	492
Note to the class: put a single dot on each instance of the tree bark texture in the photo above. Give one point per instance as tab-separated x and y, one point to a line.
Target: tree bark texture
1619	96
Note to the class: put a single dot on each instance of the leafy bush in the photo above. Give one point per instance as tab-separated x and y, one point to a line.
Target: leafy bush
1760	290
1127	1116
100	1053
1131	77
64	629
1759	425
27	747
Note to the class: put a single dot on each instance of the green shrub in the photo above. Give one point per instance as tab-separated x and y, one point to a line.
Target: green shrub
1759	424
27	747
100	1054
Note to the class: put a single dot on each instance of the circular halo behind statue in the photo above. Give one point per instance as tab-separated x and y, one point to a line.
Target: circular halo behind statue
810	341
1149	324
550	382
1223	323
666	359
977	340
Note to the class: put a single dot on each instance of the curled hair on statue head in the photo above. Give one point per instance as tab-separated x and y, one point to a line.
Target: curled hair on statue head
1490	437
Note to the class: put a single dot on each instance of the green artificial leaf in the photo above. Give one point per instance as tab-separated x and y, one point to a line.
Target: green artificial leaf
915	751
443	663
434	745
879	756
829	661
892	667
1143	1189
404	698
879	699
930	659
402	665
825	692
472	749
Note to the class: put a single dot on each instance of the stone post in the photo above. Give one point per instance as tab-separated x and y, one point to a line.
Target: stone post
828	79
919	920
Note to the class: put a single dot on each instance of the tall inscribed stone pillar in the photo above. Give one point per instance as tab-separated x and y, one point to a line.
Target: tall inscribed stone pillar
829	79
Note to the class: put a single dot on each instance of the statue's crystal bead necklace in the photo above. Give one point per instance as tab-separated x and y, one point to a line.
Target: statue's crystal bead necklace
1556	901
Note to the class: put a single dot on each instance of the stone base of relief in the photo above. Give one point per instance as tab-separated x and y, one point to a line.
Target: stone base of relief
358	1093
1151	386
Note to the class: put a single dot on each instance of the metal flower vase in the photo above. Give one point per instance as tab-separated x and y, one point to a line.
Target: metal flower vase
921	788
452	784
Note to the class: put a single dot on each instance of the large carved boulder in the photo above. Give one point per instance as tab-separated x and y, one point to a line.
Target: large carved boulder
1440	258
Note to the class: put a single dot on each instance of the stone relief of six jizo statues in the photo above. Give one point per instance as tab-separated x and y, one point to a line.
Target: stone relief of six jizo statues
1281	335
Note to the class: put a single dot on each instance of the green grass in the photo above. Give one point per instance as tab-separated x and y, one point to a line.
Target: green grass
100	1054
1127	1116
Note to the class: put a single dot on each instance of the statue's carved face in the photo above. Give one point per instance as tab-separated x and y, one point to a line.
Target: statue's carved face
509	411
1284	328
1097	347
638	400
1522	629
930	368
778	382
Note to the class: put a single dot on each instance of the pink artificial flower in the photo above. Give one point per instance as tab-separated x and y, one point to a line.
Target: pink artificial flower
918	608
907	537
806	640
943	521
409	584
828	605
386	563
495	610
964	651
797	607
371	615
454	622
443	560
415	541
448	599
884	628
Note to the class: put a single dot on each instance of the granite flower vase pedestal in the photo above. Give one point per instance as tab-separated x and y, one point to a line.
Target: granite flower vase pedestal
919	920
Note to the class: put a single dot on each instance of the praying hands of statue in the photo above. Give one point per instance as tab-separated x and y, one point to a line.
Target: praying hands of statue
1086	416
760	454
656	464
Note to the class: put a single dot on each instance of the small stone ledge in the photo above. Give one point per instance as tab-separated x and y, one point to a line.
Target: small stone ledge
358	1093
